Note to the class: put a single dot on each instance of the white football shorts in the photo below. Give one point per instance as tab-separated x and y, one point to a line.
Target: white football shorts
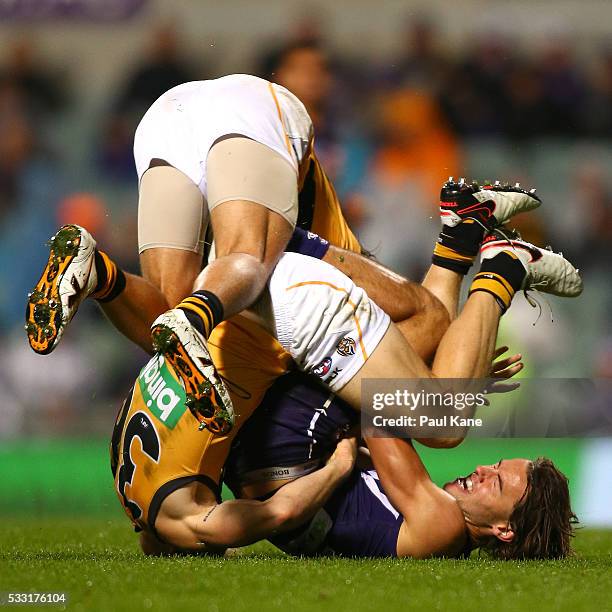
328	324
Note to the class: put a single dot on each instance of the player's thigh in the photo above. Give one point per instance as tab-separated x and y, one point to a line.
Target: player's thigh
396	295
171	224
392	358
252	198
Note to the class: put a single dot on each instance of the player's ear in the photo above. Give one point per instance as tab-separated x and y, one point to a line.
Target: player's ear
503	532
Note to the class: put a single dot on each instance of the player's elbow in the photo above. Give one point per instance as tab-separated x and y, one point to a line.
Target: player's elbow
152	546
285	513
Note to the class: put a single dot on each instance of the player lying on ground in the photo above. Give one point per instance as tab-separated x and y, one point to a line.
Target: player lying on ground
489	515
515	508
162	500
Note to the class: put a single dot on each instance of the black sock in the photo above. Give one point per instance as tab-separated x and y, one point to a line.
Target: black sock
458	246
111	279
203	310
501	276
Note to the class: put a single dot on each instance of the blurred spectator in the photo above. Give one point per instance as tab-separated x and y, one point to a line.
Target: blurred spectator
16	143
474	94
527	113
416	155
416	143
44	91
564	88
29	190
303	66
421	63
162	68
308	25
86	210
598	111
588	216
603	358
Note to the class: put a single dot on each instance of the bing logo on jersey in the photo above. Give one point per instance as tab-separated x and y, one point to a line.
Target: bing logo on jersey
162	393
346	347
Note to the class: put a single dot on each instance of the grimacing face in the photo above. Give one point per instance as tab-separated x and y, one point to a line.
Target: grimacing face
490	493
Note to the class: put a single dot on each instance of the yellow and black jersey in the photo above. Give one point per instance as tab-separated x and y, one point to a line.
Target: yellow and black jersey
319	207
157	447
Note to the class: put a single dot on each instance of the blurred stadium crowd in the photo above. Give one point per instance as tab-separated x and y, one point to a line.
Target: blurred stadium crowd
388	134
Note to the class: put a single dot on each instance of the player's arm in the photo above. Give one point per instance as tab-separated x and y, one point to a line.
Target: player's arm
433	523
242	522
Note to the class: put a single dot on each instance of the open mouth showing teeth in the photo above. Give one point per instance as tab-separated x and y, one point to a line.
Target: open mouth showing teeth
465	483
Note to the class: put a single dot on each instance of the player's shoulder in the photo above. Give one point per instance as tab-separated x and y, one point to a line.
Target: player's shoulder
436	528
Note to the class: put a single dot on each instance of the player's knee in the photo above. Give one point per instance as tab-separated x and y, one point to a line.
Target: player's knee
246	268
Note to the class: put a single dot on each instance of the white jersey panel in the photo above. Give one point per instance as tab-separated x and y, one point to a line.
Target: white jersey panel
328	324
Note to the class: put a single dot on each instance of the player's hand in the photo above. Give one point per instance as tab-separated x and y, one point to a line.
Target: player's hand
504	369
345	455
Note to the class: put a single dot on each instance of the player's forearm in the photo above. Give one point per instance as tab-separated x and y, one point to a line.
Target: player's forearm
243	522
300	500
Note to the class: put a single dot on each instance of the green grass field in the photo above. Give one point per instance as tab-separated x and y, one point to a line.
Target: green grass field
97	563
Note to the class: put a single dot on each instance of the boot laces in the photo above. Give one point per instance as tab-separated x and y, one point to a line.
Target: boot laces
514	234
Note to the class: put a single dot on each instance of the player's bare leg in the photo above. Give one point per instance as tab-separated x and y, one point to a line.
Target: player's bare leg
133	311
171	271
252	205
172	219
249	240
419	315
467	348
445	285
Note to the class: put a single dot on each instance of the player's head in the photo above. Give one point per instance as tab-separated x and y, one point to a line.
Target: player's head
517	509
302	67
